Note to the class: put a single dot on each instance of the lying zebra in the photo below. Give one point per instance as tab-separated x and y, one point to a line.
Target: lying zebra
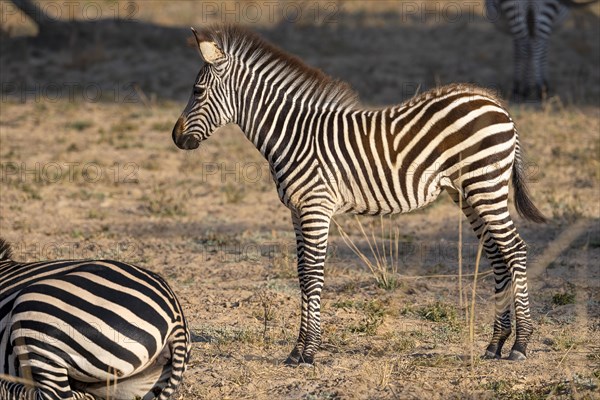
328	155
88	329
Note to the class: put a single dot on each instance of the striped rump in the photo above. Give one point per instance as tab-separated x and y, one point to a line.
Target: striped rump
83	328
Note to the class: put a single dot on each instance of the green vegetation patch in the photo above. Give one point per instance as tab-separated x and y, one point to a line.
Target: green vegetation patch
562	299
438	312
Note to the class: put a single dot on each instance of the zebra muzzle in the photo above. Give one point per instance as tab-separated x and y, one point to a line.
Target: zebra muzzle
183	141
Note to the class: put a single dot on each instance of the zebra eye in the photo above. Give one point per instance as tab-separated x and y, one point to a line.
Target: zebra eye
198	90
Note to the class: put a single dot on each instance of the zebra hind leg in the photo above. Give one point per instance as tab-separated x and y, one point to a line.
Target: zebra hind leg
507	253
51	379
502	319
492	210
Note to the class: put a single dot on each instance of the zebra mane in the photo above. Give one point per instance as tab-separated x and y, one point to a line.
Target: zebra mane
5	250
249	48
453	88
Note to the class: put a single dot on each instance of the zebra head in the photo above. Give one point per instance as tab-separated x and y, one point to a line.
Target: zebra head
210	105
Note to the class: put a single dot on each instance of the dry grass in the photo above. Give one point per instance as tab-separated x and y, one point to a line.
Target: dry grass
214	280
212	236
383	261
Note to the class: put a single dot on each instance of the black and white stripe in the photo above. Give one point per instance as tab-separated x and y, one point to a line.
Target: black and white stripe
330	156
85	328
530	24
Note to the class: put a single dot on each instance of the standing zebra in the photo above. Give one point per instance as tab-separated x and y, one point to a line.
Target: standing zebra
330	156
87	330
530	23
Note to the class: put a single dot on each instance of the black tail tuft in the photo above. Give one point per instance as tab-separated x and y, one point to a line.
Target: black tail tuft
5	250
523	203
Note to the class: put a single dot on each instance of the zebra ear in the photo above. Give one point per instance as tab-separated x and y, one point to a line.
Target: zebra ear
209	50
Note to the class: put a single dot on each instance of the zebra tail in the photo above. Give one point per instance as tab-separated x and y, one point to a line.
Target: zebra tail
180	354
523	203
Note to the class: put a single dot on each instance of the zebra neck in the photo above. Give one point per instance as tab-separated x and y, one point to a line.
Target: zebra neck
282	124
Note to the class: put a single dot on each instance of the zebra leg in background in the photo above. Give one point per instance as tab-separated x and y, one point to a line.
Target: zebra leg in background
521	62
312	229
492	209
539	48
502	279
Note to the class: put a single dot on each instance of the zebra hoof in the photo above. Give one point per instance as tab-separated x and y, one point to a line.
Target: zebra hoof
293	358
490	355
306	361
291	361
516	355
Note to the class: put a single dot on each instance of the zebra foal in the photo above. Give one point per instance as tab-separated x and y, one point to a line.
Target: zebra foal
88	329
329	156
530	23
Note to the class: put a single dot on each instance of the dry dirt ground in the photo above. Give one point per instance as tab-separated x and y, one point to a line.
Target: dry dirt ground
89	170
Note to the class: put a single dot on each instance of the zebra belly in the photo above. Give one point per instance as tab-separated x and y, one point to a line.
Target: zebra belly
387	198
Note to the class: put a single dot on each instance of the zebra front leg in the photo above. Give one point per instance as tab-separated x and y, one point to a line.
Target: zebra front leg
294	357
312	229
